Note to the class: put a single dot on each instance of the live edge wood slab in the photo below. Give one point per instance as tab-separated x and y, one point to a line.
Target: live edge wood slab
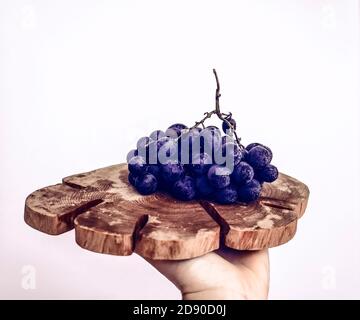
109	216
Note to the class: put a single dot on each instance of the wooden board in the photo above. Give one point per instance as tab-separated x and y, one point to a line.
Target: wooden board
109	216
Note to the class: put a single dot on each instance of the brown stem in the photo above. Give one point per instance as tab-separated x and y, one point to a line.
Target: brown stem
201	122
217	95
222	116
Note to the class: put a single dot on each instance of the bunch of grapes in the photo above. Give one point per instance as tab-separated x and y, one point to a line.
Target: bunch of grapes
200	163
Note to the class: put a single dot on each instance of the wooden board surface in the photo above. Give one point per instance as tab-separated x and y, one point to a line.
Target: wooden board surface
109	216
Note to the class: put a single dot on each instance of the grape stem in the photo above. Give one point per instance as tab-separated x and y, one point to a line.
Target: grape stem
222	116
217	96
201	122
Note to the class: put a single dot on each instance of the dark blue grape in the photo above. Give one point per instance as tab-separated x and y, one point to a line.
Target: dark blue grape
226	195
249	192
201	164
252	145
175	130
157	134
259	156
226	127
137	165
154	169
255	144
219	176
268	173
146	184
232	152
203	187
245	153
132	179
268	149
243	173
172	171
184	189
131	153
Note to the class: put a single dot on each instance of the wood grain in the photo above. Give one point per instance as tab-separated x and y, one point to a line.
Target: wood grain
268	222
110	217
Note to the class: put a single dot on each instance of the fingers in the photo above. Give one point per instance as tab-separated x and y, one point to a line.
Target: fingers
257	261
196	274
225	273
253	265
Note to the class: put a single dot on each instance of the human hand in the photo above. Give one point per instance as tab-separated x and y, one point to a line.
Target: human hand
222	274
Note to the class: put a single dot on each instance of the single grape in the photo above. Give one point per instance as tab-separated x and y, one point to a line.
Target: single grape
259	156
175	130
201	164
154	169
243	173
232	152
255	144
226	195
203	187
137	165
184	189
142	142
132	179
226	127
131	153
172	171
219	176
268	149
146	184
252	145
157	134
249	192
269	173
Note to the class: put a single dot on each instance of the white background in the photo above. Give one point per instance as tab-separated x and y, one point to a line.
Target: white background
80	81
